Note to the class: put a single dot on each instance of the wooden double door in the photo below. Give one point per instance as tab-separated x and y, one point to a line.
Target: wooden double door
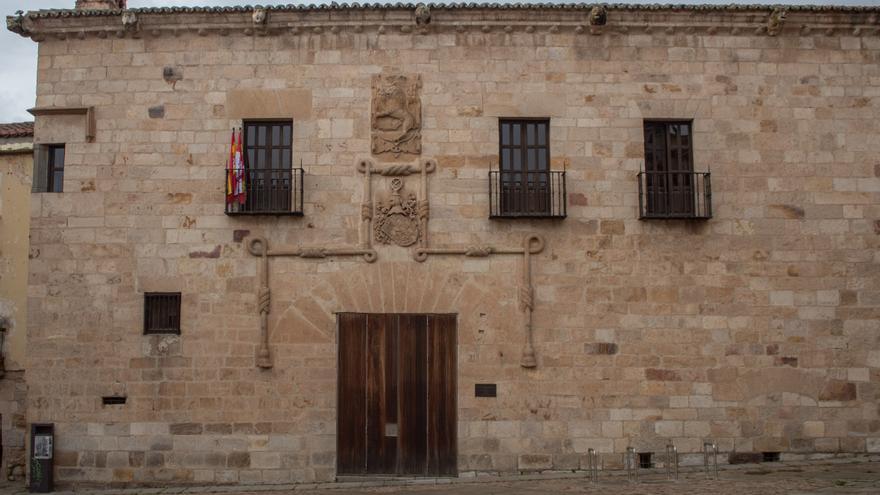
396	394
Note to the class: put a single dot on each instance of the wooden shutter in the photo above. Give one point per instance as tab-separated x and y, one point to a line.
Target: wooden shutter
41	169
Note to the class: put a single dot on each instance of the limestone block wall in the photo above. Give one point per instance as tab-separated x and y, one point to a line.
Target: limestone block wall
757	328
15	187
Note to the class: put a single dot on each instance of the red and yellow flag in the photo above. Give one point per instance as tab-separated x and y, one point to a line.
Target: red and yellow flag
235	173
238	165
230	172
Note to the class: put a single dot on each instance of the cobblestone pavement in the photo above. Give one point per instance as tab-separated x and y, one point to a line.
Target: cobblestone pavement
804	478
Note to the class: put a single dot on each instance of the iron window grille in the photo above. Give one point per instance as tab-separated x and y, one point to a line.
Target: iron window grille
524	186
161	313
669	188
272	186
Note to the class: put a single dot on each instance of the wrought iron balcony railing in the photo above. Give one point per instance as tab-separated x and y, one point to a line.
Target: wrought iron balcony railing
667	195
271	191
527	194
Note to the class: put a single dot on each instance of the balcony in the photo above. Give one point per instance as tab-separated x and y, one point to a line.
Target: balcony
675	195
526	194
269	192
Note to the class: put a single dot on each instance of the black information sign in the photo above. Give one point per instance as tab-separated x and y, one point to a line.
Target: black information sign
485	390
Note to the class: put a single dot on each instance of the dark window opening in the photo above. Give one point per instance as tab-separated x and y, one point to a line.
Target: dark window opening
770	457
524	186
669	187
113	400
161	313
646	460
49	168
271	183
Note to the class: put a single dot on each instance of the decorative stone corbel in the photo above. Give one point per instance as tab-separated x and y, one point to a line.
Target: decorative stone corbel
774	22
598	18
259	17
423	15
16	24
130	21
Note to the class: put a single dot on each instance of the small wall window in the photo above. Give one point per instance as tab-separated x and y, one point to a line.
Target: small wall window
161	312
49	168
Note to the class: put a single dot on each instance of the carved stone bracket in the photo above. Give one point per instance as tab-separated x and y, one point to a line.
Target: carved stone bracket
130	21
259	246
532	244
774	22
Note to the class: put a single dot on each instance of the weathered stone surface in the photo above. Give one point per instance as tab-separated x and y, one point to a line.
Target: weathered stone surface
607	348
186	429
534	462
838	391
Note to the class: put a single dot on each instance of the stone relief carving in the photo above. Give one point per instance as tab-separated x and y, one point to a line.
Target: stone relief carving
420	208
774	22
598	16
423	15
16	24
130	20
260	16
397	217
396	115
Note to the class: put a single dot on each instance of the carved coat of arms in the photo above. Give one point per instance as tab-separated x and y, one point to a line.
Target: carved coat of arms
396	115
397	219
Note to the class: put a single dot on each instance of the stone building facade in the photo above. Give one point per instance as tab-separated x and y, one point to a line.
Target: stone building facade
745	315
16	162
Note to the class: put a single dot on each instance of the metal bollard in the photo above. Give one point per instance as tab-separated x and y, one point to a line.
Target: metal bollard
710	447
671	462
593	465
631	462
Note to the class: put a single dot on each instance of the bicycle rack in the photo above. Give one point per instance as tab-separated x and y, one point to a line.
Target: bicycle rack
710	447
631	462
593	465
671	462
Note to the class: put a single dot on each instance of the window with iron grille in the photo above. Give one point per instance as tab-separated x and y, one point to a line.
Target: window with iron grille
524	186
271	183
49	168
669	187
161	312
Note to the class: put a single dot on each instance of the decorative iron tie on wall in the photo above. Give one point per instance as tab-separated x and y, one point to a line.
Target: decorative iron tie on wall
402	221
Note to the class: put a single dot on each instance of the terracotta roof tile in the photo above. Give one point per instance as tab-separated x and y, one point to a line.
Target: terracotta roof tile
17	130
